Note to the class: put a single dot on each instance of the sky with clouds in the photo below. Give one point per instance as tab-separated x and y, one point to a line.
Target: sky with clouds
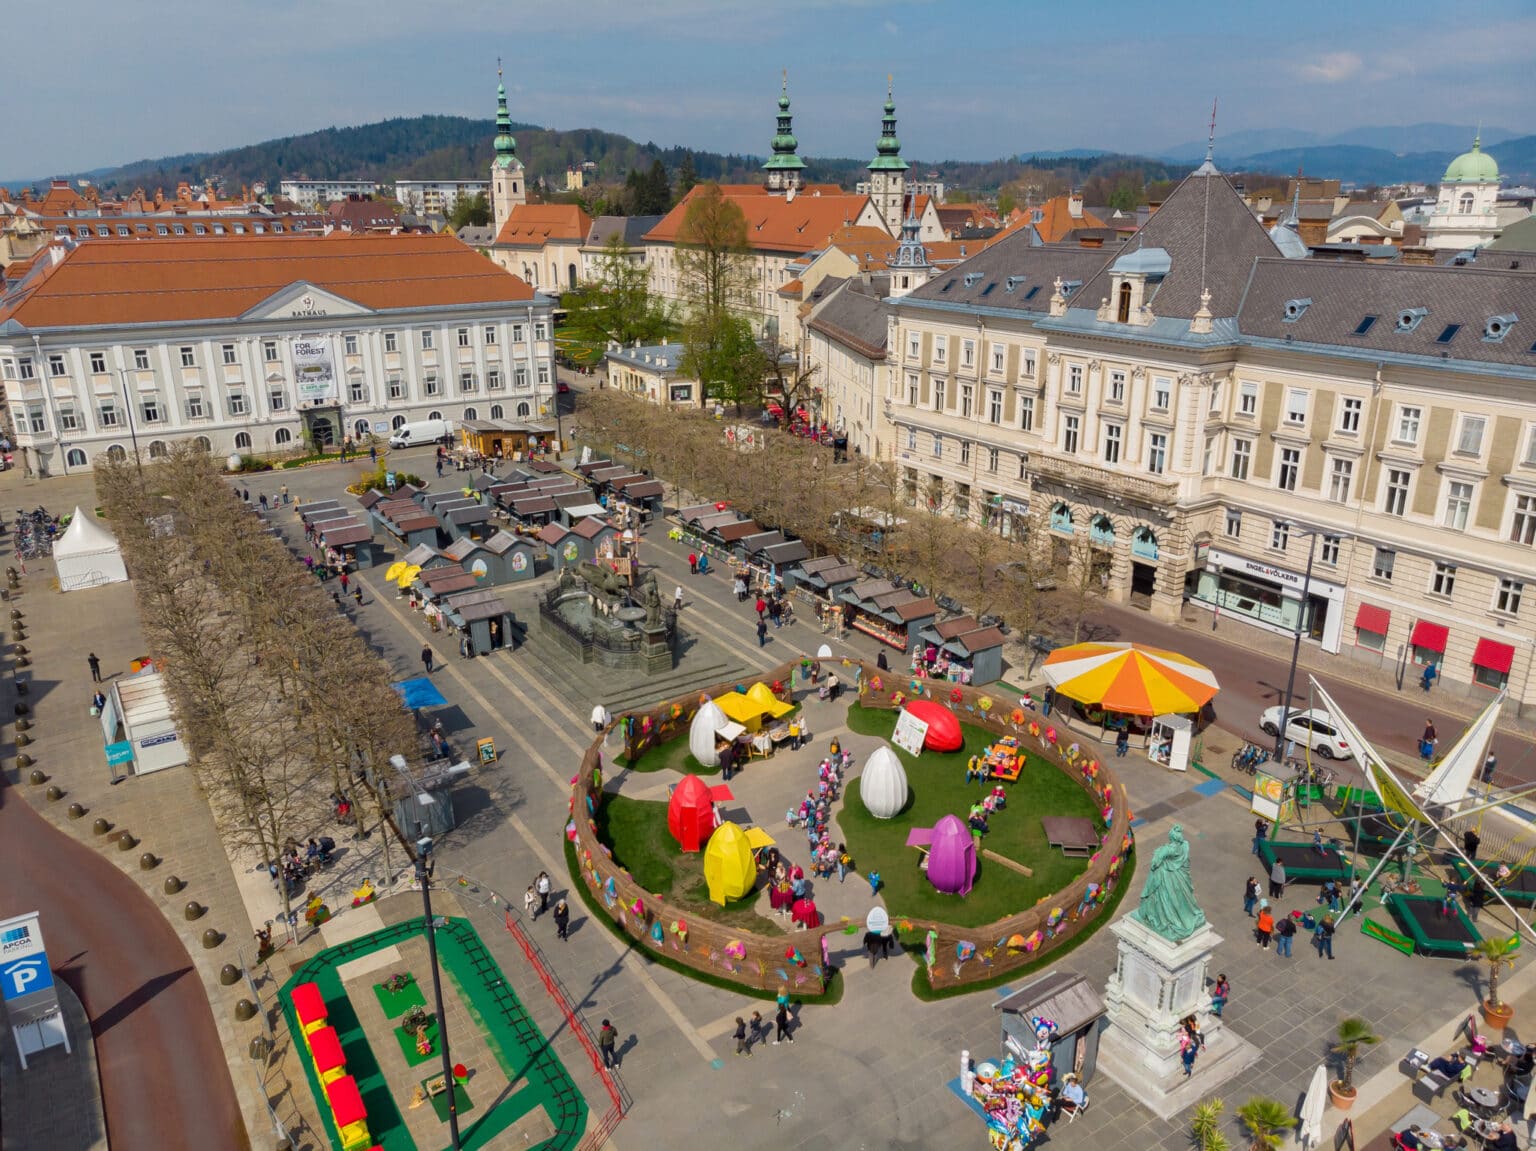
975	79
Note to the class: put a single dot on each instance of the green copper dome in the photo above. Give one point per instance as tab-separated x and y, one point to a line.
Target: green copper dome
1474	167
506	146
888	149
784	158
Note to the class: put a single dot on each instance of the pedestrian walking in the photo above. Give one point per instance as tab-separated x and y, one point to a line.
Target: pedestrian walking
284	492
562	919
463	647
426	658
1265	927
95	663
262	500
844	862
439	467
677	598
245	494
743	1044
1324	937
1277	880
357	594
345	579
542	885
762	632
1250	896
530	903
1470	842
1048	700
1488	765
757	1029
1477	899
762	607
693	563
606	1038
1220	994
1428	740
781	1022
1427	680
373	454
881	662
1285	935
1260	834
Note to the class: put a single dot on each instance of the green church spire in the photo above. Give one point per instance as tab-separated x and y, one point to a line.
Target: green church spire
784	166
888	150
506	146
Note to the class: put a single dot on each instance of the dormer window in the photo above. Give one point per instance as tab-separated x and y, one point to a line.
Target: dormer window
1410	318
1498	327
1123	303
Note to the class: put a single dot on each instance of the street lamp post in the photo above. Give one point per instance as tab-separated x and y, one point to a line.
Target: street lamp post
1301	619
122	375
424	877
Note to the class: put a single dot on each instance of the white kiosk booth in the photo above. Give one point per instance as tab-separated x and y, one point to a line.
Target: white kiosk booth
144	710
1170	741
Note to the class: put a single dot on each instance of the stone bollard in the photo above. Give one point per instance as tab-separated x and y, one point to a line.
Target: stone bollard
260	1048
23	661
24	760
20	649
22	688
23	739
245	1011
126	842
76	811
16	613
23	725
148	862
22	709
100	827
194	910
229	975
38	777
172	884
212	938
55	793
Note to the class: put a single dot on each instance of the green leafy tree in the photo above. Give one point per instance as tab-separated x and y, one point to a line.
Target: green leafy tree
1354	1034
470	211
686	176
1267	1121
712	257
617	304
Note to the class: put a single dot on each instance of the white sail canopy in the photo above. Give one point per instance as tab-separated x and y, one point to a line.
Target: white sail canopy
1453	775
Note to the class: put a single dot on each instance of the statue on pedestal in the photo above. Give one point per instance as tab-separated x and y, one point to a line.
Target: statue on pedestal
652	595
1168	904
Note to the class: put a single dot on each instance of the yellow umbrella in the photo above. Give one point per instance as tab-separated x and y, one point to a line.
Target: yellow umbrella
405	578
395	569
1130	679
728	866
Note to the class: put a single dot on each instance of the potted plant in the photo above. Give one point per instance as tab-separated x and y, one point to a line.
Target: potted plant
1205	1126
1267	1120
1354	1033
1499	954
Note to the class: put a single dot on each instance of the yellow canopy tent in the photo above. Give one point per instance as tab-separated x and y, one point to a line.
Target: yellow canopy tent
748	709
728	865
407	577
757	839
392	573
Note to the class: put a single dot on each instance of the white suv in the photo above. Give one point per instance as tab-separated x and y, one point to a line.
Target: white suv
1312	728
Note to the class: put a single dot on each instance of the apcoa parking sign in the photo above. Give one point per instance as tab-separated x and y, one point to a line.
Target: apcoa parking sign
23	961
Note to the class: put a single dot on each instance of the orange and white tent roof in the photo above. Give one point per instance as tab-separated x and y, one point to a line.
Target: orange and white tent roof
1130	679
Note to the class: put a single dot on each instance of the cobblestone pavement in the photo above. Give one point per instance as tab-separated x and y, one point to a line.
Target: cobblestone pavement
874	1071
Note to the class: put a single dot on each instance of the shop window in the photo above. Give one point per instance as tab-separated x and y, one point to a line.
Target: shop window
1061	519
1101	531
1370	640
1144	544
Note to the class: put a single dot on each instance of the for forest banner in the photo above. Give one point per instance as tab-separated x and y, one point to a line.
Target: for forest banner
313	370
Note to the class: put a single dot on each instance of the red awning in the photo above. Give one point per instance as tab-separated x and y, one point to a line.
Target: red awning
1430	635
1373	619
1493	655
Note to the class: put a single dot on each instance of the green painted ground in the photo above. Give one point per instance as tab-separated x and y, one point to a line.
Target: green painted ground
396	1003
637	832
522	1052
674	754
939	788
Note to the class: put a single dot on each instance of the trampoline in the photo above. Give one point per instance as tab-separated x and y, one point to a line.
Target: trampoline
1432	933
1519	888
1302	862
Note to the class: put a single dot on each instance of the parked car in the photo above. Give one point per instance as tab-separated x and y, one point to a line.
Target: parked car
1313	728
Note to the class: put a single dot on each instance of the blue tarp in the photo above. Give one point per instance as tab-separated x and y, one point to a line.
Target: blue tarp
420	692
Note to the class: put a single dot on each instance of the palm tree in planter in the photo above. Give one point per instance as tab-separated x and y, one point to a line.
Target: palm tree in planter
1499	953
1267	1120
1205	1126
1354	1033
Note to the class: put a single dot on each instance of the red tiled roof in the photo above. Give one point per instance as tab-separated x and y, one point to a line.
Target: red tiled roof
124	282
774	223
533	225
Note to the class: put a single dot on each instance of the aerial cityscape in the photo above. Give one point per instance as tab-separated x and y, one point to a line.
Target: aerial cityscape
534	583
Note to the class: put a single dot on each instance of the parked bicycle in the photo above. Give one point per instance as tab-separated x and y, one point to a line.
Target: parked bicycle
1250	757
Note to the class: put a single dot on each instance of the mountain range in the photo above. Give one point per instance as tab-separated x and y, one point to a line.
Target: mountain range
457	147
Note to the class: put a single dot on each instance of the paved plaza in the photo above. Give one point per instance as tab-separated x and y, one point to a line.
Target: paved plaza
875	1070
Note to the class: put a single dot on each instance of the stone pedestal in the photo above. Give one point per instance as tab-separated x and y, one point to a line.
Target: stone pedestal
1156	984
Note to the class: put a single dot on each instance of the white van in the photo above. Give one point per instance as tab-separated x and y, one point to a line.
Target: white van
421	432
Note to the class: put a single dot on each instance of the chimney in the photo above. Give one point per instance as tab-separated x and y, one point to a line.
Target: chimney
1091	241
1075	204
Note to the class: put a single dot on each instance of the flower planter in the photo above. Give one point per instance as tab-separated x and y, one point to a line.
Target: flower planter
1340	1096
1497	1015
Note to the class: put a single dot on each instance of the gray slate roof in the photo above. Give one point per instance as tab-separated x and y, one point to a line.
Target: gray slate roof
1342	294
854	317
630	229
1033	269
1203	215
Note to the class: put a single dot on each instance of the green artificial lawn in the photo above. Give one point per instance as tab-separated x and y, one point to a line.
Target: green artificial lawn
636	830
938	786
524	1056
407	1042
672	754
440	1100
397	1003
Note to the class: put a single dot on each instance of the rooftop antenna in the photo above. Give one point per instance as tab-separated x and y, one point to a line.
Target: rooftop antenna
1207	169
498	67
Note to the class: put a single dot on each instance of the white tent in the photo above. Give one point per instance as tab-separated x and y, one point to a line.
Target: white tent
708	720
87	555
1453	775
